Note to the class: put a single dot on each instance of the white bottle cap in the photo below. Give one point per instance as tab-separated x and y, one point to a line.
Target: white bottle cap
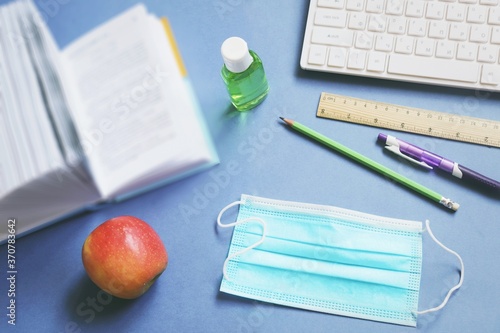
235	54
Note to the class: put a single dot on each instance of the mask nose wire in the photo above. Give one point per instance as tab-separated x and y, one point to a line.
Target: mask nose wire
462	270
234	224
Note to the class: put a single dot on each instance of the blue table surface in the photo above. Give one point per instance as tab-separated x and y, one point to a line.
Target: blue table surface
261	157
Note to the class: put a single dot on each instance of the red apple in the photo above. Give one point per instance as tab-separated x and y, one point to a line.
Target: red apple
124	256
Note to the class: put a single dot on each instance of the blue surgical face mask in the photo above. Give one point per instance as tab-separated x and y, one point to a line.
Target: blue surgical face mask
326	259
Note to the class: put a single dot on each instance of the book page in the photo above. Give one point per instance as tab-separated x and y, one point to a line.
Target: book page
41	176
30	148
129	101
45	60
47	199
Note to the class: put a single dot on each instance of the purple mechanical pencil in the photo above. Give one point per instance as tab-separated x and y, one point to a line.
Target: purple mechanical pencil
430	160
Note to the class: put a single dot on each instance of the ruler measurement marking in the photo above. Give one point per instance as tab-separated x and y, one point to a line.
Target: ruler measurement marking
407	119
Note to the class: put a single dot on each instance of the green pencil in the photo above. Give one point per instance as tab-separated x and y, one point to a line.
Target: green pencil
372	164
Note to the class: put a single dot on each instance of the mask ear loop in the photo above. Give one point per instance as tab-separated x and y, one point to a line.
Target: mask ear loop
462	270
234	224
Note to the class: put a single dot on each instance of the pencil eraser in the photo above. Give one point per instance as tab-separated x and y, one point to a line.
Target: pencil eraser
449	204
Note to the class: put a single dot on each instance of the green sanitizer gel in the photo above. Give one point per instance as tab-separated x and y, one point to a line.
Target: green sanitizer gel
243	74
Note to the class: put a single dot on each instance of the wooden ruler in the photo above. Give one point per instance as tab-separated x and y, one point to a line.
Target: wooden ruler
407	119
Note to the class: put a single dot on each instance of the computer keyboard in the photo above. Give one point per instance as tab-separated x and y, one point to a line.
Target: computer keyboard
450	42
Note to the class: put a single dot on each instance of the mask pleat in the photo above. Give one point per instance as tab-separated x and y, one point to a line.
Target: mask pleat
287	262
297	287
332	254
329	230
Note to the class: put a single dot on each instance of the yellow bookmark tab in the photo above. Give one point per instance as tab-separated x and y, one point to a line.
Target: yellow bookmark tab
171	39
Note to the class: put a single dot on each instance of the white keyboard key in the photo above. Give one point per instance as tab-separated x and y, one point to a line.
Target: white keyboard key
467	51
476	14
377	23
357	21
415	8
364	40
356	5
337	57
459	32
468	1
488	53
435	10
495	35
479	34
330	18
433	68
404	45
425	47
356	59
395	7
331	3
494	16
489	2
332	36
417	27
317	55
490	75
376	62
456	12
384	43
397	25
438	29
445	49
375	6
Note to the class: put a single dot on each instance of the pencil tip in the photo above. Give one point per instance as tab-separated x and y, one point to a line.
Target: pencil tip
287	121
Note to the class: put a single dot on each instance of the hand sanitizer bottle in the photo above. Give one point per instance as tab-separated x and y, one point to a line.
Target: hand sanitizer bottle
243	74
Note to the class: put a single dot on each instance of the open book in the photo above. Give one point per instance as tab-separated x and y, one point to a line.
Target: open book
111	115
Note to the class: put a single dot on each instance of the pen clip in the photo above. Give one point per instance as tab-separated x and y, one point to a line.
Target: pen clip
396	151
